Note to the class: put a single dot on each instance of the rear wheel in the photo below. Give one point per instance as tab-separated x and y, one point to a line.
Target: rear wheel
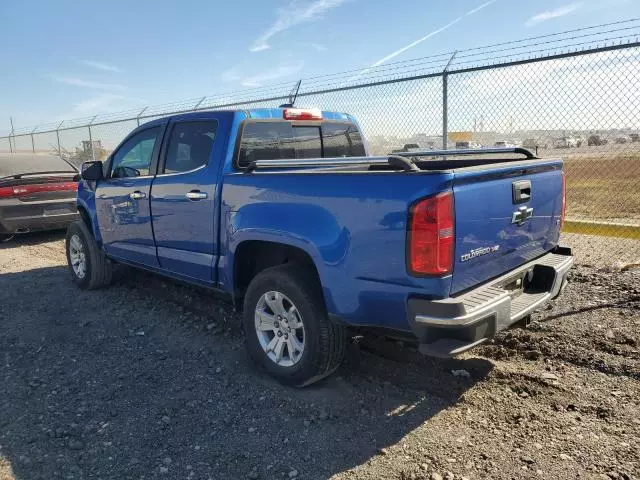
288	331
88	265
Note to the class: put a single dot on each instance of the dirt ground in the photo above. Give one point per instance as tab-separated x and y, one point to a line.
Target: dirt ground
597	191
149	379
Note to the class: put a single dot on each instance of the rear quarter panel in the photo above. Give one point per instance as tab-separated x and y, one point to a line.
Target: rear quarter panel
352	225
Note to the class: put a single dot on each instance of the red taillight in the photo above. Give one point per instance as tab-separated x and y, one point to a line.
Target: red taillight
6	192
431	235
20	190
302	114
563	214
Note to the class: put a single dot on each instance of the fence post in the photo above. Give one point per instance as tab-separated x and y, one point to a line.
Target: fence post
58	138
33	144
198	104
93	155
10	146
140	114
445	120
445	101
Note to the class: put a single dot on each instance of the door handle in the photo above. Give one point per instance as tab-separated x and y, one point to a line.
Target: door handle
196	195
137	195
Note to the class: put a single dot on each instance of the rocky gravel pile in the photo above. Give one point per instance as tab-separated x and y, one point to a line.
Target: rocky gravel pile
149	380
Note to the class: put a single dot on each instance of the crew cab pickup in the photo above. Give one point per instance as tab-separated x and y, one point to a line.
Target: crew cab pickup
283	212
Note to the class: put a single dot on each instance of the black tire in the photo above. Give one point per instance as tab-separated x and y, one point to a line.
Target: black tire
325	341
98	267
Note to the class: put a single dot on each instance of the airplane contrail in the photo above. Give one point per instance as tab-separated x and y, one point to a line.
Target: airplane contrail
419	41
472	11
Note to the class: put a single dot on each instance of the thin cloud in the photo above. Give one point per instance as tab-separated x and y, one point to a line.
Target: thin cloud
260	79
101	103
259	47
318	47
551	14
105	103
79	82
420	40
105	67
297	12
270	75
231	75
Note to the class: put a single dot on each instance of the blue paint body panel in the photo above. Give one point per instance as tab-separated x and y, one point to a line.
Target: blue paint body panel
484	209
125	224
86	201
353	225
186	230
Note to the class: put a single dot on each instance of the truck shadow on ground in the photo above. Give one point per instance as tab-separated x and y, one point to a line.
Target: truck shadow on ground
35	238
153	382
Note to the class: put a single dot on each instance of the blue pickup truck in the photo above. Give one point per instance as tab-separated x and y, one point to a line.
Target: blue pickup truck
283	212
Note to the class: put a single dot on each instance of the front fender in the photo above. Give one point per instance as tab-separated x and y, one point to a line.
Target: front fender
86	199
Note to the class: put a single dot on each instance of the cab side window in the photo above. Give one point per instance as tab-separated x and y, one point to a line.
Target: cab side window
190	145
133	159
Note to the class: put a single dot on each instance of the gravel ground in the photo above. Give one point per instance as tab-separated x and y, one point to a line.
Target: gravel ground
149	379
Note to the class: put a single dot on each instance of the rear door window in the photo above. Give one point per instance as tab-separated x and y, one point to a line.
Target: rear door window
190	146
284	140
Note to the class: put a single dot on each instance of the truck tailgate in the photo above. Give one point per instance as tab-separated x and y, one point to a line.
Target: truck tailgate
506	215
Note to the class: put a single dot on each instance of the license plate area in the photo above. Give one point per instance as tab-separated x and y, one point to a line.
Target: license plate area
536	279
515	285
57	210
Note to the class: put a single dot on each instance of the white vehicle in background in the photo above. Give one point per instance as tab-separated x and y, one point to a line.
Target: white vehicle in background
504	143
467	145
409	147
567	142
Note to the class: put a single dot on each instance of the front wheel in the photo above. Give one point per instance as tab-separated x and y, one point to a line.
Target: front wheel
88	265
288	332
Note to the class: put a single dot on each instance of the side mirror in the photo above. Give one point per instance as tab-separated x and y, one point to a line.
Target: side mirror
92	171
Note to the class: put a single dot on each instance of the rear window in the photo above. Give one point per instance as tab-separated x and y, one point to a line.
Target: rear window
283	140
23	163
342	140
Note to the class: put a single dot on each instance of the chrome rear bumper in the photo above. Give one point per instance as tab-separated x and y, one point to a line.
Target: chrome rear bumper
453	325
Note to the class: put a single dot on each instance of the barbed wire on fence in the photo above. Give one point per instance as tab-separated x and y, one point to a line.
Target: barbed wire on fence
590	38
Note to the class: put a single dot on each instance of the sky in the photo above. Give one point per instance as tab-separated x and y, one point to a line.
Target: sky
67	59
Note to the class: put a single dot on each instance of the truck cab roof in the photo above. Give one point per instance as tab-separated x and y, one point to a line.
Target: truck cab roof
254	113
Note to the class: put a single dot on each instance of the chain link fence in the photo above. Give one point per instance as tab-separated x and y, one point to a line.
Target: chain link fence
581	105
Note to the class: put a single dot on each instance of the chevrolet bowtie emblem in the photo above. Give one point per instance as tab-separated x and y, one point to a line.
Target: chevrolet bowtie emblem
521	215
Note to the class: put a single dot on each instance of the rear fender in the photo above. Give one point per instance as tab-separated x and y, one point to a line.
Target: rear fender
309	228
